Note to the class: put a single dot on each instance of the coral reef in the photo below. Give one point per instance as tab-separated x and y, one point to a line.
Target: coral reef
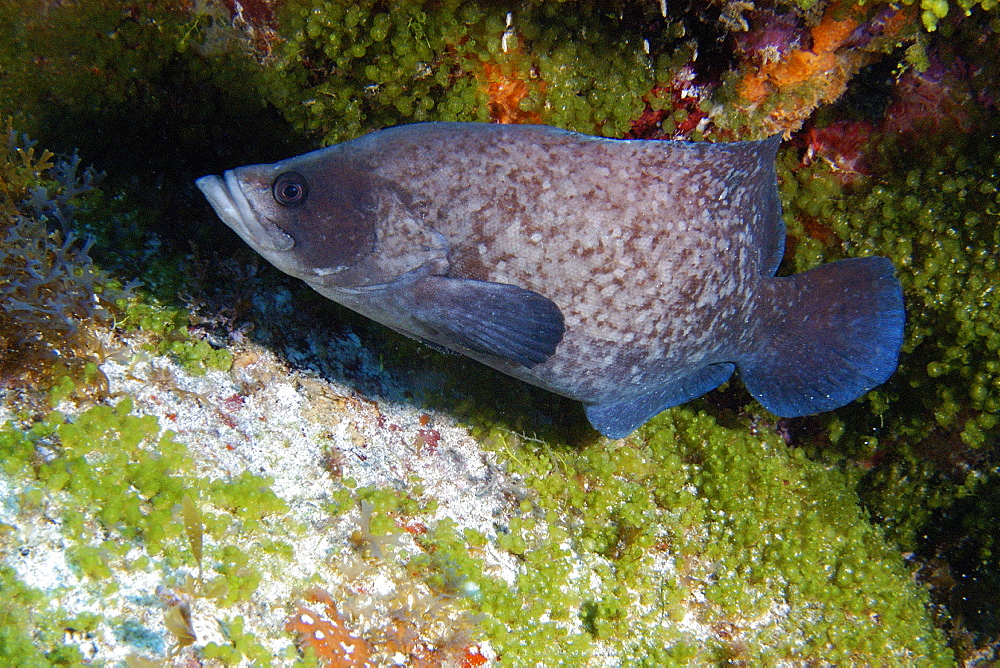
920	186
816	71
655	523
621	549
937	220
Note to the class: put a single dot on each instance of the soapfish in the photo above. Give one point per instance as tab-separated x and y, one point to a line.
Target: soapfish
631	275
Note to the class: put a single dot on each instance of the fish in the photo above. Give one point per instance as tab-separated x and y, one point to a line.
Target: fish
630	275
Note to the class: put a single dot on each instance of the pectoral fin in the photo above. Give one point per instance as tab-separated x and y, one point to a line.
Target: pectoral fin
490	318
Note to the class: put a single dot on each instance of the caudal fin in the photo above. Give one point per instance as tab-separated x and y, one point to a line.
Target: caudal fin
825	337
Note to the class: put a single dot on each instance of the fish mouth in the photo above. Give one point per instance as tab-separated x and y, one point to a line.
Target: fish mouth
231	204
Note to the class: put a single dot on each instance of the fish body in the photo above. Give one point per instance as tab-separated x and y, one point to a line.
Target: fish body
631	275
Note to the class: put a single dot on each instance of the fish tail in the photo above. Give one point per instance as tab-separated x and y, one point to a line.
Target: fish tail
824	337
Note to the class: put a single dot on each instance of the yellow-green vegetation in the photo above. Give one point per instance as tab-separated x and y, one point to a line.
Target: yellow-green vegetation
166	329
114	63
936	213
241	646
614	543
115	486
971	530
96	54
689	521
347	69
17	646
932	12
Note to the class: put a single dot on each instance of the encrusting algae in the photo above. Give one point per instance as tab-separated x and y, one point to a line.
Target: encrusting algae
819	72
172	489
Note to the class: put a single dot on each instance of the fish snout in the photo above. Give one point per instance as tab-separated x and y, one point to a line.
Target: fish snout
230	202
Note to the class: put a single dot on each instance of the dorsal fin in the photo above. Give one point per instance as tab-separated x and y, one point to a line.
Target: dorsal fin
763	215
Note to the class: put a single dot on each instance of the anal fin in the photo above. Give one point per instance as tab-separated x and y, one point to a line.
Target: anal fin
436	347
621	418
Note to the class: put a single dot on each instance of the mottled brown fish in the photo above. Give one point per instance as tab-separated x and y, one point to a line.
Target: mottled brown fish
630	275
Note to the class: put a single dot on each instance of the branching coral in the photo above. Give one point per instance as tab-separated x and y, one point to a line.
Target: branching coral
51	292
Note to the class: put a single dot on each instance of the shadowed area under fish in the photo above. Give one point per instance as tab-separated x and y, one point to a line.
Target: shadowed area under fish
631	275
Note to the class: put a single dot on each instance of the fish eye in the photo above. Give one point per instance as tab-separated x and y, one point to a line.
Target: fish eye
290	189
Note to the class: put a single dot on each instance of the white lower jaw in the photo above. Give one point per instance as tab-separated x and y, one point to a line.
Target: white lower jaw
215	192
231	205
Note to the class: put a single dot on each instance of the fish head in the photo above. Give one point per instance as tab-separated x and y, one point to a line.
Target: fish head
312	216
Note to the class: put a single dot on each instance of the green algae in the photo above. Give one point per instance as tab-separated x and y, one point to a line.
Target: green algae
95	54
688	521
525	622
113	482
937	219
927	440
345	70
122	66
132	477
247	496
166	330
932	12
16	643
241	646
776	547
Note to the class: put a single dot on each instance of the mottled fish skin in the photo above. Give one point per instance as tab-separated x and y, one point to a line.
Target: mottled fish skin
623	236
638	273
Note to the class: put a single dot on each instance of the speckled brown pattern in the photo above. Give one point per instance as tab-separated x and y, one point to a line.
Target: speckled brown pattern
651	249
